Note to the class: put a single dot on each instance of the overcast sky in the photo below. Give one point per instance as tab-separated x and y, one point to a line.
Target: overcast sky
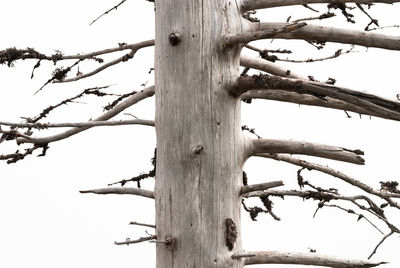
44	220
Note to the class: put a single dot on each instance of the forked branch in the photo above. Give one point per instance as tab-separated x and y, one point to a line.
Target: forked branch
327	170
145	93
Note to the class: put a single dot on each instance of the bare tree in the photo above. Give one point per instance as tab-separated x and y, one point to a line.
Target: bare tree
200	184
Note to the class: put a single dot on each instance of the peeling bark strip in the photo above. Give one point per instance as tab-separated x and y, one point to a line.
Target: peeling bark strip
269	257
231	233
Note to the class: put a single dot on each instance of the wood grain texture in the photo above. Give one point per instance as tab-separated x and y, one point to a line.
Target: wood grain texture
263	257
199	141
271	146
332	34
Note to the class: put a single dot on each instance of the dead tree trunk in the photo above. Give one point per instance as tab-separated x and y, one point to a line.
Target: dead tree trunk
200	148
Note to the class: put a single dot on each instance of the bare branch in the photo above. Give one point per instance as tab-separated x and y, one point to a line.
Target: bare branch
382	107
121	190
325	169
268	257
338	53
305	99
12	54
260	4
320	17
145	93
325	197
283	51
263	34
380	243
260	187
108	11
142	224
306	148
268	67
142	239
124	58
331	34
79	124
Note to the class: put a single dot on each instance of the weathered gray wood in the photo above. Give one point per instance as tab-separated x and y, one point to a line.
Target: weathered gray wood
259	4
267	66
269	257
260	187
199	141
332	34
120	190
270	146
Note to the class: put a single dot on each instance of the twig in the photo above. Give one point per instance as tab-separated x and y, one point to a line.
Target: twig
15	157
338	53
325	169
124	58
58	75
89	91
380	243
284	51
108	11
142	239
142	224
350	211
326	15
147	92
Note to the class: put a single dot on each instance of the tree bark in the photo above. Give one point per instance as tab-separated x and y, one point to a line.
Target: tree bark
200	148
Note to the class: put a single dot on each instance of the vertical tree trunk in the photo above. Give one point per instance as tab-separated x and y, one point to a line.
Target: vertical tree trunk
199	141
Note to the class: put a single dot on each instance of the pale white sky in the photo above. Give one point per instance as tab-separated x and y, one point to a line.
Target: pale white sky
45	222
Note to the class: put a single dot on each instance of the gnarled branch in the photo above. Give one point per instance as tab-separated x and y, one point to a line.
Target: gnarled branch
379	106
